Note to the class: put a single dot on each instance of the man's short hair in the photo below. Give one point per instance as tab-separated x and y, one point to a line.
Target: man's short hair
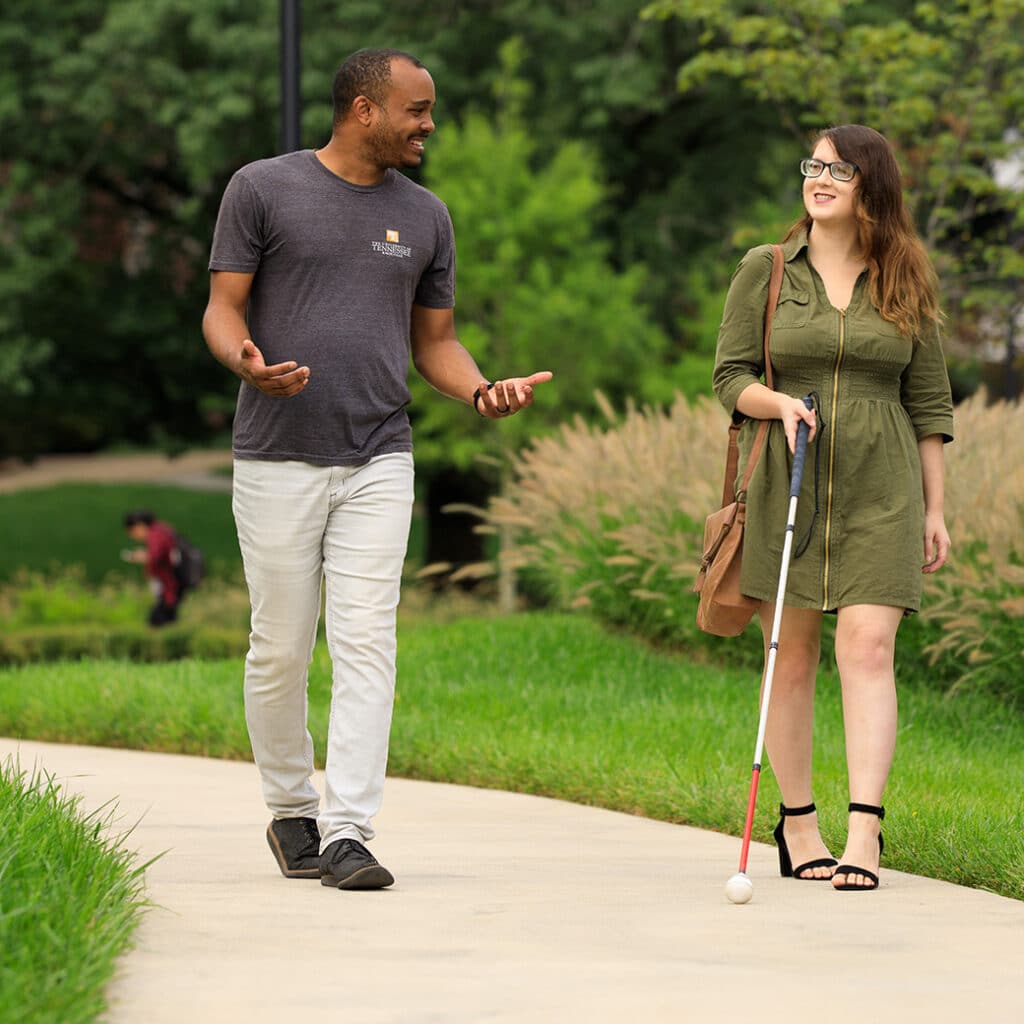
366	73
138	515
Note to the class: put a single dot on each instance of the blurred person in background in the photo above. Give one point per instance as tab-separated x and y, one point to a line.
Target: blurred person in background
159	558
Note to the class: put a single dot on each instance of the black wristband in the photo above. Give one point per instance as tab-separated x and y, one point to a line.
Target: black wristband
476	399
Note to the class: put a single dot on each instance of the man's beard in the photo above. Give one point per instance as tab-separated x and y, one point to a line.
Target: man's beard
387	147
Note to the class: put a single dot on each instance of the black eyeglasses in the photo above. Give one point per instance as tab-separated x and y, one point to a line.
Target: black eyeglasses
841	170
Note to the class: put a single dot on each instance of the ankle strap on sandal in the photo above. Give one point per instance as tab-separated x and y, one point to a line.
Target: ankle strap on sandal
793	812
879	812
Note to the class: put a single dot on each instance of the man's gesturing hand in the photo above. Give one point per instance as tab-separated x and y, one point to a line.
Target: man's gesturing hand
282	380
507	397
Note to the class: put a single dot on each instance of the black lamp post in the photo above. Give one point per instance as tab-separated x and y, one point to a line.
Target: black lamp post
291	98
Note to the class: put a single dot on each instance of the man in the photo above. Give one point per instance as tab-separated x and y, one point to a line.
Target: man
159	559
328	268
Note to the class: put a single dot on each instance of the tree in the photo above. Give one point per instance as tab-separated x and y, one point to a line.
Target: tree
944	82
120	123
536	289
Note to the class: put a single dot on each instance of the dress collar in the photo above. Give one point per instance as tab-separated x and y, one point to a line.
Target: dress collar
795	245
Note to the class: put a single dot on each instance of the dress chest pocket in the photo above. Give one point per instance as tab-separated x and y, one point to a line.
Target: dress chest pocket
793	309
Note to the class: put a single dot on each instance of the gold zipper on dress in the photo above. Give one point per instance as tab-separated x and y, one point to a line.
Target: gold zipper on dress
832	454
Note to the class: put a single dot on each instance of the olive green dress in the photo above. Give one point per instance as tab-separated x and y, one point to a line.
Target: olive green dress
877	395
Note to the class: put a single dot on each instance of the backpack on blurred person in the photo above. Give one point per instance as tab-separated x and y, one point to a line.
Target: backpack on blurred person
190	566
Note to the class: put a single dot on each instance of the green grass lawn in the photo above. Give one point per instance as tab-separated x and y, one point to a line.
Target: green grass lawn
50	528
69	902
82	524
554	705
539	703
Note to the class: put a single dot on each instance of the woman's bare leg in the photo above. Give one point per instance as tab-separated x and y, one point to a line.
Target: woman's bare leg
865	649
790	733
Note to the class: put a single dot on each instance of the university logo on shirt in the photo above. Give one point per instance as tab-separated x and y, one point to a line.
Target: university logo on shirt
390	246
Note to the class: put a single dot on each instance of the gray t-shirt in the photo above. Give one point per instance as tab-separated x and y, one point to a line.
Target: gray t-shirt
337	269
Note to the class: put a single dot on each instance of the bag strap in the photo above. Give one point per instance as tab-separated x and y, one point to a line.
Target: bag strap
733	457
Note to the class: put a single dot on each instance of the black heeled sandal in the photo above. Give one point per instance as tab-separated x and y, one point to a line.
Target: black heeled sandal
852	869
786	868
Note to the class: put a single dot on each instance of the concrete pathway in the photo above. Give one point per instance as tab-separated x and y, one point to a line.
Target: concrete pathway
512	908
195	469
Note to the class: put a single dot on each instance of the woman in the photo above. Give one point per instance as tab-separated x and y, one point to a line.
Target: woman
856	326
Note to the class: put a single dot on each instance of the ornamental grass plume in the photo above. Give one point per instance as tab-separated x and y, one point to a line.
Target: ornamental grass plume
978	597
610	518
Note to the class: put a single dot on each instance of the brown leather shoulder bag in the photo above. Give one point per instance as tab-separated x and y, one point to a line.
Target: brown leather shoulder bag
723	609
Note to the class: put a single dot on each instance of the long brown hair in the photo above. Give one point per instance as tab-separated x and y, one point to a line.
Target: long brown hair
902	282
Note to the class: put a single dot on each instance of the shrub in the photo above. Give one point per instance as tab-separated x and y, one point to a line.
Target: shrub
62	617
128	643
65	597
610	519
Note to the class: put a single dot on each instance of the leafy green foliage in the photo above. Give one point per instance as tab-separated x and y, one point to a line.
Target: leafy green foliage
126	114
942	81
123	121
60	616
134	642
65	599
536	290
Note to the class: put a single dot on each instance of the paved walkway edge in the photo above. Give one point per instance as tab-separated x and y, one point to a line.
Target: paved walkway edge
512	908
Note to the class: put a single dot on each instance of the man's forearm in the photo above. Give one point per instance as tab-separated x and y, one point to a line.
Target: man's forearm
224	330
449	368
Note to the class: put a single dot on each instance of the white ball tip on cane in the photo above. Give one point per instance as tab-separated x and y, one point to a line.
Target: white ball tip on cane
739	889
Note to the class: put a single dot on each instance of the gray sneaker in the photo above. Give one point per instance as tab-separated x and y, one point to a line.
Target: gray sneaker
295	843
347	864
